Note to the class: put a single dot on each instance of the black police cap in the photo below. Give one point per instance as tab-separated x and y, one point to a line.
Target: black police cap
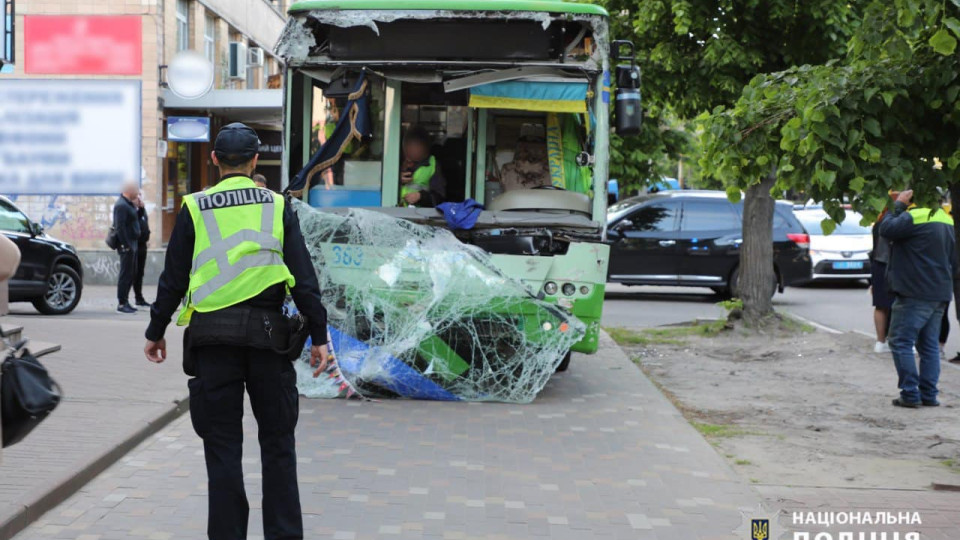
236	144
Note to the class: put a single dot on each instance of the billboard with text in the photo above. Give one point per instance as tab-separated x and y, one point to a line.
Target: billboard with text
82	45
68	137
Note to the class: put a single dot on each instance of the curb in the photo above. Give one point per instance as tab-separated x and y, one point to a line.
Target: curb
45	498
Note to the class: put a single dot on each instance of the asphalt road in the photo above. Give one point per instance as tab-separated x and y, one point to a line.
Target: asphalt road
839	306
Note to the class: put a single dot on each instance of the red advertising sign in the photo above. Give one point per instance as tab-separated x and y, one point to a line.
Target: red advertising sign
82	45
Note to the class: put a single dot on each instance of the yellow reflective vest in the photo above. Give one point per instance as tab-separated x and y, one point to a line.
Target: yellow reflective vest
238	249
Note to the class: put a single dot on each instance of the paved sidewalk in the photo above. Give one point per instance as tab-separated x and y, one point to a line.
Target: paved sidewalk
112	394
600	454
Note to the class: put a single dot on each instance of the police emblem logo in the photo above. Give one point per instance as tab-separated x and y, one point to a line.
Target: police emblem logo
760	523
759	529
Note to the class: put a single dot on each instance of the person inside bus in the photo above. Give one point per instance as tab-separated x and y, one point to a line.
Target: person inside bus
421	181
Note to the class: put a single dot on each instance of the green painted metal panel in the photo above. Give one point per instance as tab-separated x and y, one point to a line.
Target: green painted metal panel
285	157
471	142
390	187
548	6
444	361
480	176
601	151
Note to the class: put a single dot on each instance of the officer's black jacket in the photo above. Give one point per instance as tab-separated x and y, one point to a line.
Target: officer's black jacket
175	278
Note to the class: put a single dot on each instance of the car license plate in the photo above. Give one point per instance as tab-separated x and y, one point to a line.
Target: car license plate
848	265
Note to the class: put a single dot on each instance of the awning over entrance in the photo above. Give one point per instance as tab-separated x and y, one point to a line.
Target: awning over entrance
264	107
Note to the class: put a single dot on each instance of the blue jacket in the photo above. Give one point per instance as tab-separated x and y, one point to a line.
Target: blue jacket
923	261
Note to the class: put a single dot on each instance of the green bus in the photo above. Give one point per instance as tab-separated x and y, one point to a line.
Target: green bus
515	95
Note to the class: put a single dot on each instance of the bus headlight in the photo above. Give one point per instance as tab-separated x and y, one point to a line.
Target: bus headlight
569	289
550	288
584	290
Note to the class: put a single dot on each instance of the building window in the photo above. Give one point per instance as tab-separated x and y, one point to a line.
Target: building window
210	37
6	32
183	25
251	72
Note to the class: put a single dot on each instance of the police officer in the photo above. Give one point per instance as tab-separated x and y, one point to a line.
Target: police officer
234	252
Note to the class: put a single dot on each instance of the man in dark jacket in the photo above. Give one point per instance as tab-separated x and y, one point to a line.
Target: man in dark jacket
127	225
923	263
141	252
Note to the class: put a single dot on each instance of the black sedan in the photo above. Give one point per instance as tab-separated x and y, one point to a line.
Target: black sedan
50	274
693	238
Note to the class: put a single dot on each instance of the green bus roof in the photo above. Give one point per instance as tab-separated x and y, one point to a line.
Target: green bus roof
548	6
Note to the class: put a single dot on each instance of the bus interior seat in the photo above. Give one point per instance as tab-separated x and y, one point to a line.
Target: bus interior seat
529	168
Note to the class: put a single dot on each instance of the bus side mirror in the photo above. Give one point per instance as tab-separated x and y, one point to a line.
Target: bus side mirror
627	112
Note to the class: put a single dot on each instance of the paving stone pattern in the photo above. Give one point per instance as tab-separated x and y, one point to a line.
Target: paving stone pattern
110	392
600	454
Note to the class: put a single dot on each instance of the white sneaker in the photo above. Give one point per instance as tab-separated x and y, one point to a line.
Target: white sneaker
881	347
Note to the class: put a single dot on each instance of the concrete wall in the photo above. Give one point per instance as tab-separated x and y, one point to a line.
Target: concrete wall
102	267
258	19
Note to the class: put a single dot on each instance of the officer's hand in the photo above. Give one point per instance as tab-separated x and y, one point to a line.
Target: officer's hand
319	358
905	196
406	177
156	351
412	198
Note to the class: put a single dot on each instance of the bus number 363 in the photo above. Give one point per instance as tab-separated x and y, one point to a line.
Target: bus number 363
347	256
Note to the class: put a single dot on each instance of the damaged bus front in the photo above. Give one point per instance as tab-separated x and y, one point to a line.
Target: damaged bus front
514	96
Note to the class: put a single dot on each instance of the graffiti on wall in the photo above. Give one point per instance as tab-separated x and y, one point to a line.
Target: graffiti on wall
80	220
103	268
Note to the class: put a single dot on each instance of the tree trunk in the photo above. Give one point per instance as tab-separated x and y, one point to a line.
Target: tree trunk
756	255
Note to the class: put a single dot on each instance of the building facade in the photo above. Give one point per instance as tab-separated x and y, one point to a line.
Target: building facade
64	45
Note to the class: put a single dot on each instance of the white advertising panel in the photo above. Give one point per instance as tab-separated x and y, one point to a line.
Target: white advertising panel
68	137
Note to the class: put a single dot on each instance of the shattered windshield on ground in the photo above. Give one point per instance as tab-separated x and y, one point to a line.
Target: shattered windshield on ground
415	313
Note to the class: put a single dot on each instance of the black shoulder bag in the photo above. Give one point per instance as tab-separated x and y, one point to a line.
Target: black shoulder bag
112	240
27	394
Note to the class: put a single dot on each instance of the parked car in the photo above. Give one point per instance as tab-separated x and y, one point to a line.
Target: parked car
50	274
693	238
842	255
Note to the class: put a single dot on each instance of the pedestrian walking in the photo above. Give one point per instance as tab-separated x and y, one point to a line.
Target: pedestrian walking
233	252
141	252
879	289
127	225
923	263
260	180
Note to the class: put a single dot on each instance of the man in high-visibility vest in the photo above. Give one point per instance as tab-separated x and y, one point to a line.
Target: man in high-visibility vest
922	267
235	251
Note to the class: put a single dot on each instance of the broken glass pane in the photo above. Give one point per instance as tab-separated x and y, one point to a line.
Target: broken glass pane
413	312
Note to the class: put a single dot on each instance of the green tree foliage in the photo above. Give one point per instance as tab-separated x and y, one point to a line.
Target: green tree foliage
642	160
853	128
697	55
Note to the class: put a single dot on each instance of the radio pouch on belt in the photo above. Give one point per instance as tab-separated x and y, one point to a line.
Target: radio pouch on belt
245	326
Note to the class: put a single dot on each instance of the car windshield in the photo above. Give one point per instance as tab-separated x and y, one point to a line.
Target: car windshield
619	209
850	226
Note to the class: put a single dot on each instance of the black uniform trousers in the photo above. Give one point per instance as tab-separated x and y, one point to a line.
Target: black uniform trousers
128	270
138	275
216	409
